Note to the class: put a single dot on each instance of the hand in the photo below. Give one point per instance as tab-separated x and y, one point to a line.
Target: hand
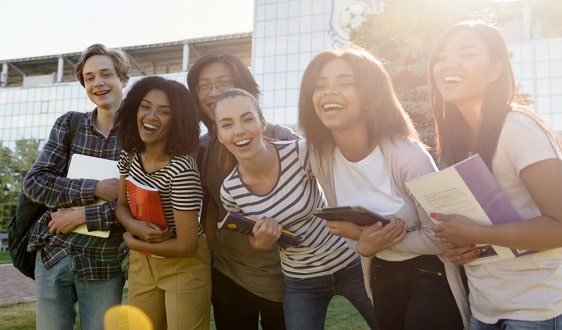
63	221
455	230
107	189
129	239
149	232
376	238
460	255
266	232
344	229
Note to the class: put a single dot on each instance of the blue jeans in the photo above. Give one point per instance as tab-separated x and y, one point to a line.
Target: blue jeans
58	290
506	324
305	301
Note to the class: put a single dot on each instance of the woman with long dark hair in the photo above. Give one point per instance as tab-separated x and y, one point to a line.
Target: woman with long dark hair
363	150
273	182
472	100
247	283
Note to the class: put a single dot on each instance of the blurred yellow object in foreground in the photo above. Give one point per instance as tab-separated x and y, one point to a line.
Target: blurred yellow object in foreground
126	317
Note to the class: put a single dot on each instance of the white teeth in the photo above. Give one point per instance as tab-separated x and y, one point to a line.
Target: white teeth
448	79
242	142
150	126
328	106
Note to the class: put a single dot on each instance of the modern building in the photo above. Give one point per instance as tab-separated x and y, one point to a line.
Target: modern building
287	34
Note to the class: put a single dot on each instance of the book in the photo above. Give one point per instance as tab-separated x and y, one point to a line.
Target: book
356	214
88	167
242	224
468	188
145	203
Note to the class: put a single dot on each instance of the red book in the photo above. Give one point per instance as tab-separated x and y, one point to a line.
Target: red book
145	203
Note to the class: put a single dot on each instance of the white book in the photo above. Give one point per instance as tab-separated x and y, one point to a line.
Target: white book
468	188
88	167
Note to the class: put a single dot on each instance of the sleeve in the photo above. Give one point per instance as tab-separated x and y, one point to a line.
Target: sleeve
525	142
102	217
46	181
186	190
124	163
304	157
416	162
228	200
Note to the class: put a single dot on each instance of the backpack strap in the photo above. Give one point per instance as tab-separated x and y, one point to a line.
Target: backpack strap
75	123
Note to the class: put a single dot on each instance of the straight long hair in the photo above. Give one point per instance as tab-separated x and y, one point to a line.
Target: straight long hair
384	116
452	133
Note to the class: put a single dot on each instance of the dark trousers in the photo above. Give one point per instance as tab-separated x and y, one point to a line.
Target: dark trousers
413	294
236	308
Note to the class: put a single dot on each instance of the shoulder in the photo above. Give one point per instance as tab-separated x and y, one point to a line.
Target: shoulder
280	132
409	156
183	163
204	140
405	149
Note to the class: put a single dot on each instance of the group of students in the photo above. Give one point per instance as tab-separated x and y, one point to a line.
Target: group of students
359	148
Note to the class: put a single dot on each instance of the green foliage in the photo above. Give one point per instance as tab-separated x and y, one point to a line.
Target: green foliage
15	164
403	36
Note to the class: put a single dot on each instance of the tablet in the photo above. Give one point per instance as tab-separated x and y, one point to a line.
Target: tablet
356	214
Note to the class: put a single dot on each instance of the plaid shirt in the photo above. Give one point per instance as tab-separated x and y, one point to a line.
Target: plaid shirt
94	258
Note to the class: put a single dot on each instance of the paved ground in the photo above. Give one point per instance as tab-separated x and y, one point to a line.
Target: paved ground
15	287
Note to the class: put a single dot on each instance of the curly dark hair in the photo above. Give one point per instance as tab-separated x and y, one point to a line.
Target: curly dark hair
242	76
184	133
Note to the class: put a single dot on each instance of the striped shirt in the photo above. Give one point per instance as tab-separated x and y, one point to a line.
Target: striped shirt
292	203
178	183
94	258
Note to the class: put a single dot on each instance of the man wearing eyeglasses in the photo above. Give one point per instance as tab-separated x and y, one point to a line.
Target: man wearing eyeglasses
247	283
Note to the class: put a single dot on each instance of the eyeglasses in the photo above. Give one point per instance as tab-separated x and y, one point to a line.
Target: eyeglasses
220	85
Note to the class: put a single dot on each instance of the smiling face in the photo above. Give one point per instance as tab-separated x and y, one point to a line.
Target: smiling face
463	70
239	127
154	118
102	83
214	78
336	100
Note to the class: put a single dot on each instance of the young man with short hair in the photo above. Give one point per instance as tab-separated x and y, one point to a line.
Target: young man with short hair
75	268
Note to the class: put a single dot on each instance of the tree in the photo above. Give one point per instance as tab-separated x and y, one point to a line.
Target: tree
403	36
15	165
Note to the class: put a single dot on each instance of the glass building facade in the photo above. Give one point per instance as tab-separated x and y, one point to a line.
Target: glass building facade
30	112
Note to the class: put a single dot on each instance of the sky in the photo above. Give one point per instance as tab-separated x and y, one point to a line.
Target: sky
30	28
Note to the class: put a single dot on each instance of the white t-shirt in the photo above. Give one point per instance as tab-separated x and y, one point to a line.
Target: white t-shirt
529	287
368	183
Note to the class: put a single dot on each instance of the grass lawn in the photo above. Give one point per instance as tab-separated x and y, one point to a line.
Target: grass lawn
341	315
5	258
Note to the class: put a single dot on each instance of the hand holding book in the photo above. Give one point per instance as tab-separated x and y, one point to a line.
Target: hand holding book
239	223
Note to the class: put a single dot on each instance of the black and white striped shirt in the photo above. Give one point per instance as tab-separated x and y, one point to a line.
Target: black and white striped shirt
178	183
292	203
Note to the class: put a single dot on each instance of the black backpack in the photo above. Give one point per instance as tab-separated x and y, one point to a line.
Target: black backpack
28	212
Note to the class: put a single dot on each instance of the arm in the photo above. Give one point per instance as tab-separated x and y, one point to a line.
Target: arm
266	233
410	161
211	220
186	197
46	182
144	230
525	151
543	181
184	245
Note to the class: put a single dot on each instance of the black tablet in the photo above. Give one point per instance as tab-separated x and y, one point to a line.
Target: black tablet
356	214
